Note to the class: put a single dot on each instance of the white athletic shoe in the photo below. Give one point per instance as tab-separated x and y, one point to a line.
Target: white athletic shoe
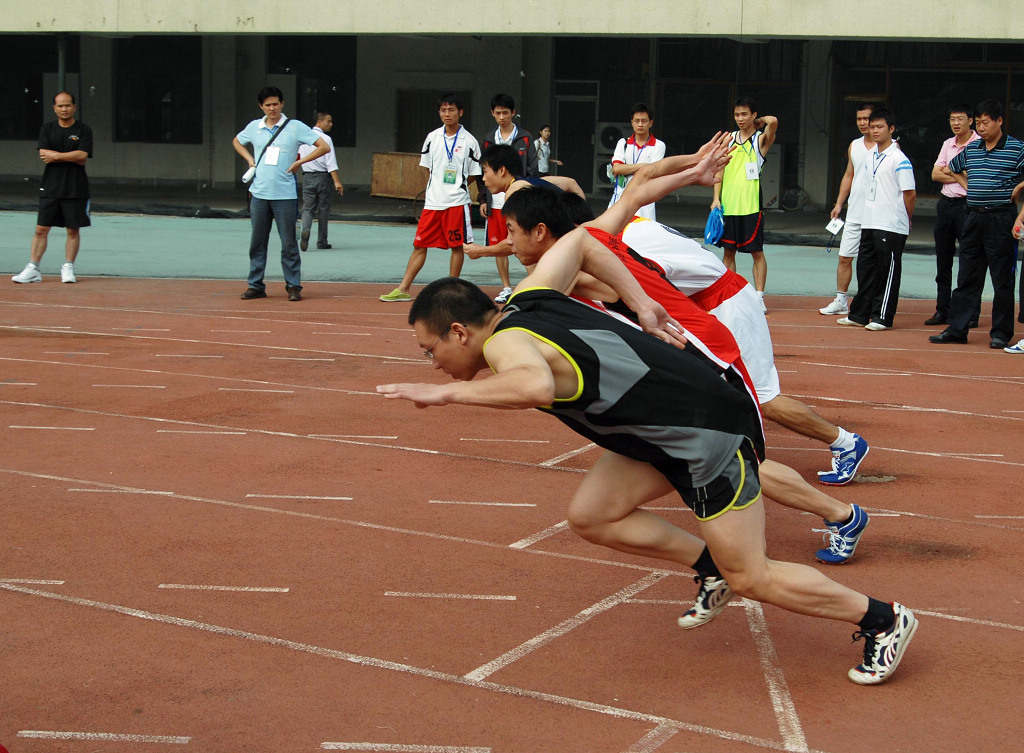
67	272
764	306
875	326
848	322
29	274
1017	349
836	308
503	296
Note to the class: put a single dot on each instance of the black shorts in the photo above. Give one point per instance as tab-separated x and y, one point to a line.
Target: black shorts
744	232
72	213
738	486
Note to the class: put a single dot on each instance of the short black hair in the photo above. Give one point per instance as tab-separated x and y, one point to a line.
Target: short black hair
529	207
320	115
448	300
576	207
59	93
747	102
498	156
449	98
503	100
989	107
543	127
963	107
269	91
882	114
642	107
867	106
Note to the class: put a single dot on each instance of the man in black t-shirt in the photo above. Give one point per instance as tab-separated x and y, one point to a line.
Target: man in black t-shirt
64	146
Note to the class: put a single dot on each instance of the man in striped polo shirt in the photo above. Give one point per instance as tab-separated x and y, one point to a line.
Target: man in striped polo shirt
993	166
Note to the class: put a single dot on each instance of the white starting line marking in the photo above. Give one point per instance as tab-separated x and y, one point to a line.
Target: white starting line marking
183	355
351	436
139	329
43	735
540	536
482	504
135	386
73	352
251	389
294	496
124	491
31	582
55	428
255	589
503	440
349	334
567	455
1000	517
19	384
297	358
395	748
244	331
189	431
481	597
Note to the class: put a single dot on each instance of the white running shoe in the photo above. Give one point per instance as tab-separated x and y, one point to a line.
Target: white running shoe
875	326
503	296
712	597
67	272
1017	349
29	274
848	322
836	308
764	306
883	651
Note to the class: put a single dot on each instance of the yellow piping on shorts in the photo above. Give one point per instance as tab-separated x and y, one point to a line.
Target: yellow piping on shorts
732	505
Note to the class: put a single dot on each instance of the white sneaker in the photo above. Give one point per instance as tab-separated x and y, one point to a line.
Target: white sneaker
29	274
503	296
848	321
1017	349
875	326
67	272
836	308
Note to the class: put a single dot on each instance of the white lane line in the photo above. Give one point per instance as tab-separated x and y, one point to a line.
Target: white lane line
54	428
504	440
566	626
135	386
53	326
481	597
782	702
540	535
347	334
139	329
31	582
254	589
954	456
482	504
184	355
367	661
677	508
877	373
298	358
970	620
567	455
252	389
108	736
124	491
73	353
191	431
19	384
295	496
396	748
1000	517
653	739
244	331
352	436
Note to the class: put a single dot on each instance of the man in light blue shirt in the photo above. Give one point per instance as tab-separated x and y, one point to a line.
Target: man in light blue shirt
274	189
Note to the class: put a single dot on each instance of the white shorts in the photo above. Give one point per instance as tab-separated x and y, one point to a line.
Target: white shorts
850	243
744	317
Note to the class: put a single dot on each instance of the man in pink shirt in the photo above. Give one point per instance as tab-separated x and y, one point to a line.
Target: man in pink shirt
950	210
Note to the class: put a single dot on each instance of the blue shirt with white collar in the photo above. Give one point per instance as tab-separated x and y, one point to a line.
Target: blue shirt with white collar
274	182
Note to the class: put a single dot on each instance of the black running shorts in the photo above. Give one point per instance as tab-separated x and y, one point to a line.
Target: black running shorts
738	486
72	213
743	233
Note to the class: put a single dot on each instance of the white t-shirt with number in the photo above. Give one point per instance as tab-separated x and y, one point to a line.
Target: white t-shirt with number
451	161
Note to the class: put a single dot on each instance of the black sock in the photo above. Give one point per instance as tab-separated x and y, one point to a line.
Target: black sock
880	616
705	565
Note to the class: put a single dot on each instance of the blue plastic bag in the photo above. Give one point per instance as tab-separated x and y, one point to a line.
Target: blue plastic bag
714	227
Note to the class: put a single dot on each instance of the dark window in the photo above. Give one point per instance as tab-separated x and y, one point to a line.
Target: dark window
158	89
325	75
26	60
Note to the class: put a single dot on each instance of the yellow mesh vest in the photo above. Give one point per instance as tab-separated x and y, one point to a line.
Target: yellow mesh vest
739	195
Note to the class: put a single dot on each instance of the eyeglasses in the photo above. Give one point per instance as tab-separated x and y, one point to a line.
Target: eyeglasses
429	352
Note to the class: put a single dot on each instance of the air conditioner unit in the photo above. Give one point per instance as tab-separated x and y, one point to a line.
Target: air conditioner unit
608	135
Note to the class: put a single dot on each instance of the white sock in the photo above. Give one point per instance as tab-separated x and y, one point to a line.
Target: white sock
844	441
841	296
760	293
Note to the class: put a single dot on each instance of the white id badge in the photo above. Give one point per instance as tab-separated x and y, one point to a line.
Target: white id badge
834	226
871	190
273	152
752	173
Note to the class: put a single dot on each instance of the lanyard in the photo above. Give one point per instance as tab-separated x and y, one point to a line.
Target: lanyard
877	163
636	157
451	152
743	144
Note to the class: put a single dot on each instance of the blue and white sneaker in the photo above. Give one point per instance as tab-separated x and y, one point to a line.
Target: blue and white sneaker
845	464
711	599
1017	349
883	651
842	538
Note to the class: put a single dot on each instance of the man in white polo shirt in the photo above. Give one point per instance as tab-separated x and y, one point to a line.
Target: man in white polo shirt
317	189
633	153
888	206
